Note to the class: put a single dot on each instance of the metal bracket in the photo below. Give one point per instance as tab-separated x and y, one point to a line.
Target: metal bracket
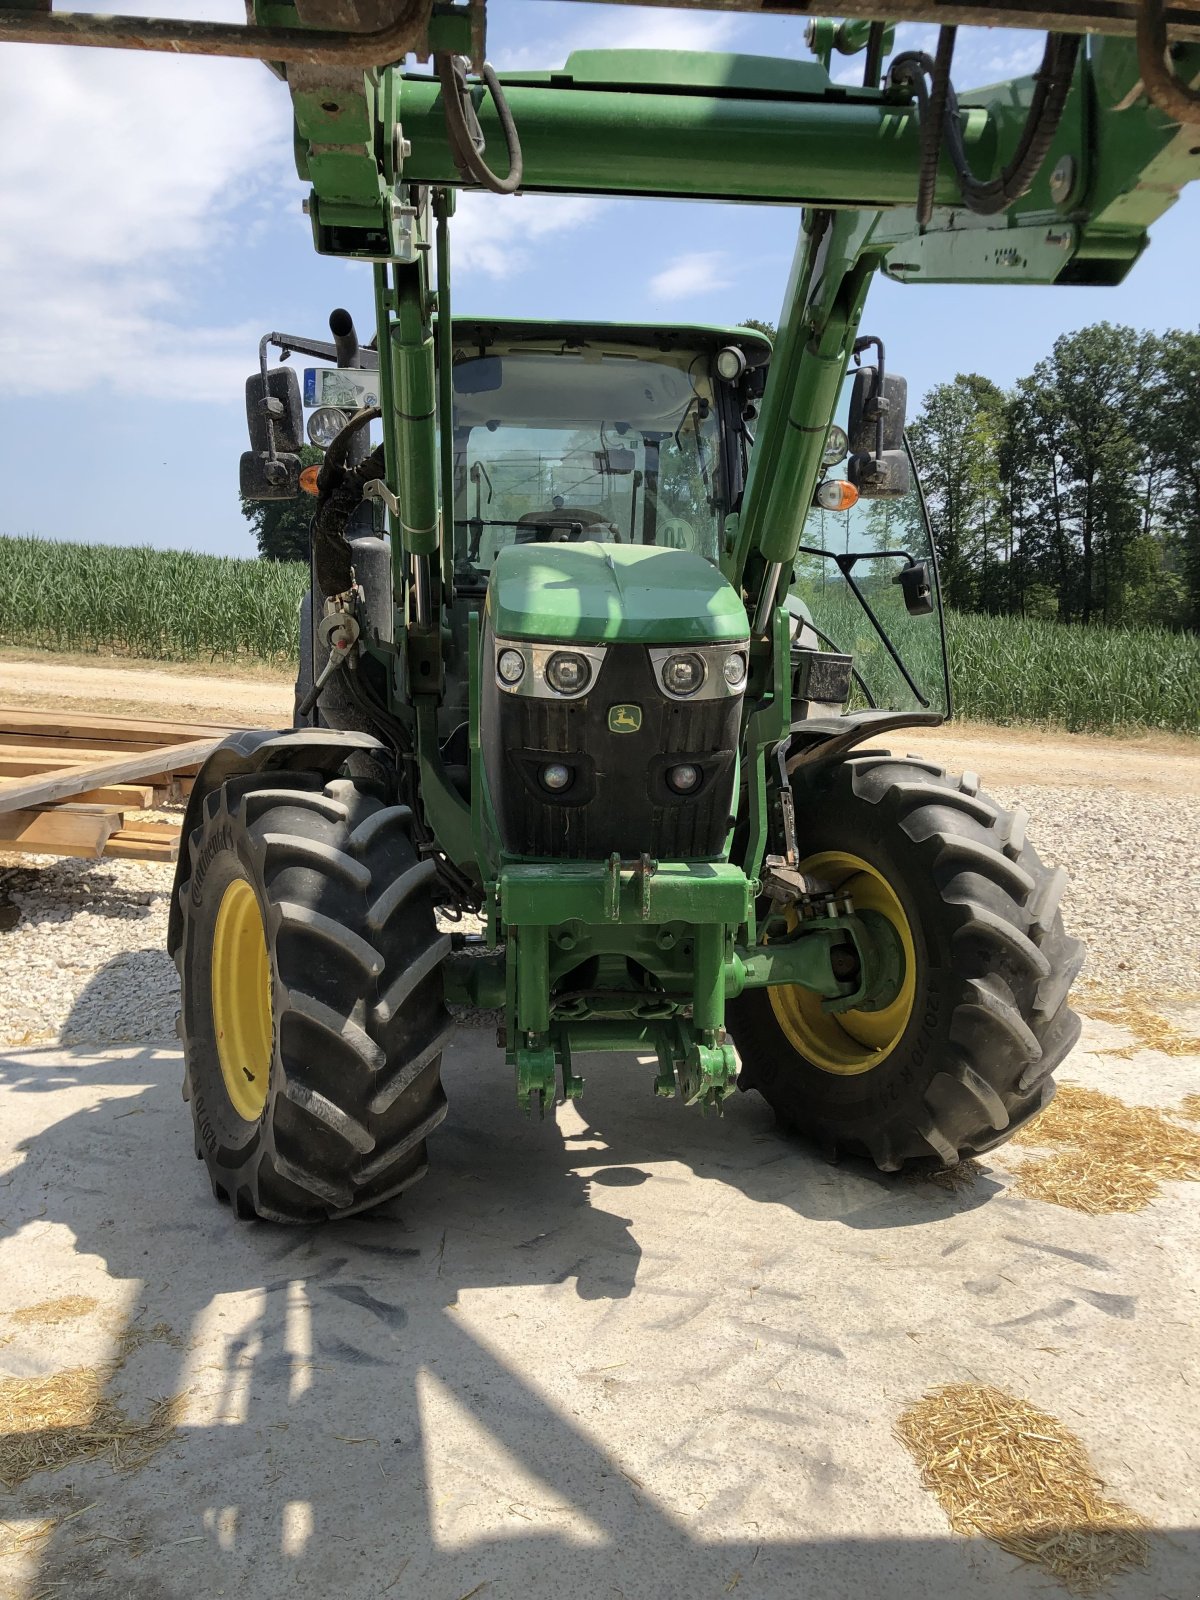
416	27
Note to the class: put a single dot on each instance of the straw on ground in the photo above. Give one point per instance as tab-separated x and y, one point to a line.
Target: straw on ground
1001	1467
1112	1157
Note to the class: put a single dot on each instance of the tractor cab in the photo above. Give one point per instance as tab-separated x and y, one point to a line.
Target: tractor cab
596	434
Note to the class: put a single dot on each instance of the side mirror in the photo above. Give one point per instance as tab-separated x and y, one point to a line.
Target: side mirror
868	404
261	478
280	400
916	584
885	477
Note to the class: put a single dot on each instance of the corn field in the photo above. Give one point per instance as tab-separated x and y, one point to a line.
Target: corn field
1016	669
166	605
176	606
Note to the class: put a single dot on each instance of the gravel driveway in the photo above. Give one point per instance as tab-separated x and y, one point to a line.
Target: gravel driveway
86	962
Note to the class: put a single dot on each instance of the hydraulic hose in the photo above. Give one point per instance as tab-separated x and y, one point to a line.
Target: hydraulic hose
1168	91
465	146
331	468
940	122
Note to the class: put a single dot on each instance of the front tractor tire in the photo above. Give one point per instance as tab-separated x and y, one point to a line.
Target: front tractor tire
964	1050
312	1013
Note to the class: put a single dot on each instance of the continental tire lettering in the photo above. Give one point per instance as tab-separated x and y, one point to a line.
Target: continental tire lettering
212	847
204	1126
927	1030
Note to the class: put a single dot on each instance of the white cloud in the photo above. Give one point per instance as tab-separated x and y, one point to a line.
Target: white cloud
495	234
123	174
700	273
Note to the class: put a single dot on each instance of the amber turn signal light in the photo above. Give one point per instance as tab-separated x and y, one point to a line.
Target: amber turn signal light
308	480
835	494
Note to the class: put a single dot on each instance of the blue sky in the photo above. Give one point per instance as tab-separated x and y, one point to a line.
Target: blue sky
152	232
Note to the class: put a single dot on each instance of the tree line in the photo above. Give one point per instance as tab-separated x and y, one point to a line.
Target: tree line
1076	494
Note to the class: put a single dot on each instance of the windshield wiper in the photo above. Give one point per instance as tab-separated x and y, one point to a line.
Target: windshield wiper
845	564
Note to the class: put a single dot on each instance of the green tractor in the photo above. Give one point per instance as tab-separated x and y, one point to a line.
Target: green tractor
675	825
610	631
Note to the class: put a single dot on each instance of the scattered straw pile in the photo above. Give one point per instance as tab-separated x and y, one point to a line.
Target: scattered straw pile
954	1179
1189	1107
1113	1156
136	1334
1130	1011
1000	1467
58	1421
48	1312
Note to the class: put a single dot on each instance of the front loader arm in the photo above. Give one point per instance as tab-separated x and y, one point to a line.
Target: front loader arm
727	127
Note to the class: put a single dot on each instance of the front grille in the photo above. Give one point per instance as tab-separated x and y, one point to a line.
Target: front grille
619	800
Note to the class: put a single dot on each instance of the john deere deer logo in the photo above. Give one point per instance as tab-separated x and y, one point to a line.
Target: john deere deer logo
624	719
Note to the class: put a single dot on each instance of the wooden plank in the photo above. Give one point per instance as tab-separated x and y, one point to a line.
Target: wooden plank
89	741
21	766
99	727
151	830
28	766
171	780
42	789
58	832
79	808
127	847
137	796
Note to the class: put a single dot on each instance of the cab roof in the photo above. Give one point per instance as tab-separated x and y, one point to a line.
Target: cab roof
654	335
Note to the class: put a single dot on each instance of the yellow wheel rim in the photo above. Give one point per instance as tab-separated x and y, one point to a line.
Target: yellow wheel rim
849	1042
241	1000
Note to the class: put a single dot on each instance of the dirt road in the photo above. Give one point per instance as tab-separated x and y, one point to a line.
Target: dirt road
255	696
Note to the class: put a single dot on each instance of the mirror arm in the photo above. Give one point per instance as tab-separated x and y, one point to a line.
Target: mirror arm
846	559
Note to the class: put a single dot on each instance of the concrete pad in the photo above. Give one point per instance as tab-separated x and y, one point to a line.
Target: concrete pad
630	1351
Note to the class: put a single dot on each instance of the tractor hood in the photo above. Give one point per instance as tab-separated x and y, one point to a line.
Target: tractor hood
595	593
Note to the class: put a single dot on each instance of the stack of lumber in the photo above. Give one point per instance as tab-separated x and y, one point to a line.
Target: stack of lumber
68	780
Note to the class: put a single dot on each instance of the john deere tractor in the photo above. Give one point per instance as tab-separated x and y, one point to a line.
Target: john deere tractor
611	628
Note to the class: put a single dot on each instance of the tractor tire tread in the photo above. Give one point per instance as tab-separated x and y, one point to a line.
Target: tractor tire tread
1004	976
359	1018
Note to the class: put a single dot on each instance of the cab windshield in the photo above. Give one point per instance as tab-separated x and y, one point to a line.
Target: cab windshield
556	446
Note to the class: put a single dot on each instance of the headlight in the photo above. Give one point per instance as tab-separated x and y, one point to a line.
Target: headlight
731	363
556	777
683	675
567	672
735	670
684	778
324	426
510	664
837	446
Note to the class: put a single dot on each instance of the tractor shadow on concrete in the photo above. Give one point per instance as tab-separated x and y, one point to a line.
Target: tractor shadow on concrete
380	1406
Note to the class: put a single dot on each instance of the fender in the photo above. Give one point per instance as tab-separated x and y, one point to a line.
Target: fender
322	750
817	743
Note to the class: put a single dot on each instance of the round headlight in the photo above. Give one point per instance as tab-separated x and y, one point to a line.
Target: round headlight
683	675
556	777
324	426
510	664
684	778
735	670
731	363
568	673
837	446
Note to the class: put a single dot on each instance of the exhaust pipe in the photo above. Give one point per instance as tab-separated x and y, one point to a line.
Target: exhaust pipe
341	326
